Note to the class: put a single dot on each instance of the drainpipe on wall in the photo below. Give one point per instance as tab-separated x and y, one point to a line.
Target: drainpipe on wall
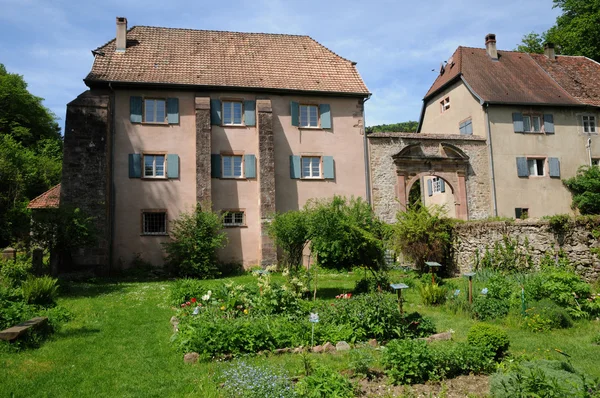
366	153
491	156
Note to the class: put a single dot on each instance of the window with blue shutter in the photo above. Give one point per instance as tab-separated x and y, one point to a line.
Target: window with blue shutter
215	112
250	166
518	122
135	165
442	185
522	168
295	169
466	127
250	113
549	124
325	115
215	166
554	166
172	165
429	187
173	110
294	110
328	168
135	109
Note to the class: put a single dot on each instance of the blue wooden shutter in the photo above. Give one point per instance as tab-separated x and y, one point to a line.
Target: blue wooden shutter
250	166
549	123
429	187
328	168
135	165
173	110
294	166
554	166
522	169
469	127
135	109
250	113
215	112
215	166
518	122
173	165
294	109
442	185
325	113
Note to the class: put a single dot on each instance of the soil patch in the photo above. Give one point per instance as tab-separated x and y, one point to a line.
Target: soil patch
460	387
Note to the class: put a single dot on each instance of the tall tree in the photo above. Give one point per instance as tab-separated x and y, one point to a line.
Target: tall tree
576	31
405	127
30	154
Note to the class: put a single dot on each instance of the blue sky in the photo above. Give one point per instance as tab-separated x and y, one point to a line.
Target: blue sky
396	43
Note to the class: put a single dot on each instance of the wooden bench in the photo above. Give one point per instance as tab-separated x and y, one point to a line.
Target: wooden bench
12	333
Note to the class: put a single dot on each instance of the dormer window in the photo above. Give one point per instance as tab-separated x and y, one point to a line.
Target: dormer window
445	104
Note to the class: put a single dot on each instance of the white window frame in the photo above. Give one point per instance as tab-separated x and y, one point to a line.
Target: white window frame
234	218
153	212
436	185
154	155
155	109
593	129
445	104
231	172
231	104
319	160
535	164
530	117
307	108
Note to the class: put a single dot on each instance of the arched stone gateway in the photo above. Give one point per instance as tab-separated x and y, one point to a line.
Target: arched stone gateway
398	160
450	163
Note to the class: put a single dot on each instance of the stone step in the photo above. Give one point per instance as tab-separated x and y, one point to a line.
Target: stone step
15	331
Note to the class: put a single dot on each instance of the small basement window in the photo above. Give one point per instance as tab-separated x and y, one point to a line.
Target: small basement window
154	222
521	212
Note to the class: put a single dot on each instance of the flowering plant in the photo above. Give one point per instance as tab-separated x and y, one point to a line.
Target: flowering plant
344	296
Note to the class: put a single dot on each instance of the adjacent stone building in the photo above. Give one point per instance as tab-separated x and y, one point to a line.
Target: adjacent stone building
253	123
519	123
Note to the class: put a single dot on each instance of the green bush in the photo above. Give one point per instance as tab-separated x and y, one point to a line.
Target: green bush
195	238
408	361
558	285
546	315
325	383
487	308
455	359
13	273
361	361
543	378
289	232
372	284
596	339
41	291
490	337
433	294
185	289
585	188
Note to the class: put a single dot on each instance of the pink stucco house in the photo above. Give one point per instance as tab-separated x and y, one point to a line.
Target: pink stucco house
255	123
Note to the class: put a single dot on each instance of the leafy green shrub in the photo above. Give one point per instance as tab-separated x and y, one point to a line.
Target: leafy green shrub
185	289
14	312
543	378
408	361
325	383
251	381
486	308
289	232
585	187
195	238
433	294
455	359
361	361
559	224
489	337
546	315
40	291
372	284
596	339
422	233
506	255
13	273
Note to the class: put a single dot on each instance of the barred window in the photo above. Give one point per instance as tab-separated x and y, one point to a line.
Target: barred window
154	223
234	219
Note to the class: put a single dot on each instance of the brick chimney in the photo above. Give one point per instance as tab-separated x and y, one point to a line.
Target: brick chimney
549	51
490	45
121	34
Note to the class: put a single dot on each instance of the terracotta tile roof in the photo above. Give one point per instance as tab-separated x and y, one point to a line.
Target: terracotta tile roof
49	199
521	78
226	59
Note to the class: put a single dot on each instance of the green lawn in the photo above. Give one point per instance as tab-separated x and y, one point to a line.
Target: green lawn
118	345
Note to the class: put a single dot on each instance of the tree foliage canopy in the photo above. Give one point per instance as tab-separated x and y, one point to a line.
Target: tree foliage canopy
405	127
576	31
30	154
585	187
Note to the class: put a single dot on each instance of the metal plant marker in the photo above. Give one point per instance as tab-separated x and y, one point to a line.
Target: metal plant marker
470	275
432	265
398	287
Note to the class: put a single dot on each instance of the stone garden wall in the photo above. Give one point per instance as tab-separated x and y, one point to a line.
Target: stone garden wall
576	242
